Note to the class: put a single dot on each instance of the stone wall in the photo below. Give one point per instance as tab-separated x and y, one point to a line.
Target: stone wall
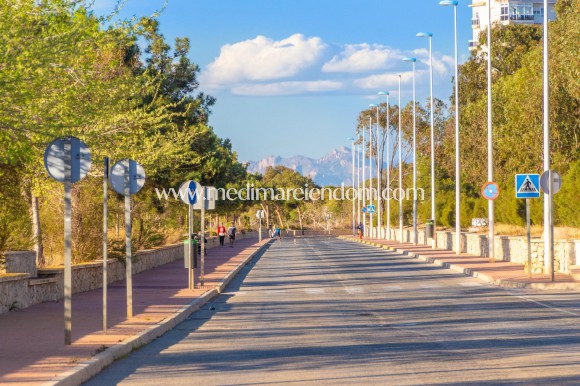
21	262
507	248
20	290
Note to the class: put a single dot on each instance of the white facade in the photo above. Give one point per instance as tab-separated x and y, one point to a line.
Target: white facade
507	12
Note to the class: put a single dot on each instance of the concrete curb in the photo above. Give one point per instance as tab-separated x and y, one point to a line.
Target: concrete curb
88	369
470	272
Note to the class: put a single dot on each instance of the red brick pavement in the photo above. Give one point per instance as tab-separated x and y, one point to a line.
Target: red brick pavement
32	349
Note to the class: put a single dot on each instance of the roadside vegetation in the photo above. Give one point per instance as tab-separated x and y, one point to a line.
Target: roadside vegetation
126	91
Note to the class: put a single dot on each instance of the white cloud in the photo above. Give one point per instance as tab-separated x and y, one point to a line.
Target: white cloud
388	82
262	59
356	58
307	65
286	88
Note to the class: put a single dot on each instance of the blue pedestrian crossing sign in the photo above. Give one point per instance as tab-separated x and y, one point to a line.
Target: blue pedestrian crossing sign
364	209
527	186
371	209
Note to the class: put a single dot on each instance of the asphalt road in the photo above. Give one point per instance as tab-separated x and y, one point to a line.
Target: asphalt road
325	311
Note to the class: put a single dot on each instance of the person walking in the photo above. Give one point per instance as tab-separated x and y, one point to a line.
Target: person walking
360	230
278	233
232	234
221	231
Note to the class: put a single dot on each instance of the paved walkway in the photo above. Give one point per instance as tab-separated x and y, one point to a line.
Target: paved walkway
32	349
500	273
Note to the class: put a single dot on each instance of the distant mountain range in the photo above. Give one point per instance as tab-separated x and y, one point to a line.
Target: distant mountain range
332	169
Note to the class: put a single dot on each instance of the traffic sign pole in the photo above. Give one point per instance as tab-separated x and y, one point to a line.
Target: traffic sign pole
128	252
105	240
529	237
260	234
202	241
67	244
191	279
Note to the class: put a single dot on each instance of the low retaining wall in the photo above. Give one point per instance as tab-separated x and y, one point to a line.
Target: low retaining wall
507	248
21	290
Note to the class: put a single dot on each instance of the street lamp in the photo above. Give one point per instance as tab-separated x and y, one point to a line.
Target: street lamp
358	191
453	3
490	207
415	235
387	130
379	214
548	204
430	36
353	211
400	166
364	216
371	173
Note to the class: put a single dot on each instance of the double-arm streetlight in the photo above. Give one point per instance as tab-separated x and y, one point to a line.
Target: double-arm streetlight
430	36
453	3
415	233
387	132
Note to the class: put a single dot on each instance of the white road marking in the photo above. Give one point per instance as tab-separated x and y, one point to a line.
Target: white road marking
393	288
315	290
354	290
430	286
470	284
547	305
238	293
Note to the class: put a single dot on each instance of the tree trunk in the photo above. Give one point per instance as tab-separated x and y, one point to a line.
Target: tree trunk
266	209
37	231
300	220
279	217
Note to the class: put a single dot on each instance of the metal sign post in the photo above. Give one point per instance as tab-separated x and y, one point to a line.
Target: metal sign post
67	160
127	178
188	194
105	244
202	241
260	215
528	186
490	191
67	246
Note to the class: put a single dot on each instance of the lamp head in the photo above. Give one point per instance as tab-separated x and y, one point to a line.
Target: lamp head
373	105
383	93
447	3
411	60
424	35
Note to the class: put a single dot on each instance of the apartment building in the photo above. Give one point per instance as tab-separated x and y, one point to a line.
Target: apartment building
507	12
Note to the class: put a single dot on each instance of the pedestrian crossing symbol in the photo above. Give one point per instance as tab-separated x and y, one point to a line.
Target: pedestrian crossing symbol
527	185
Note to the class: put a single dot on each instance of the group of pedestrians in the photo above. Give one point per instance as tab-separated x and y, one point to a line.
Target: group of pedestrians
275	232
230	232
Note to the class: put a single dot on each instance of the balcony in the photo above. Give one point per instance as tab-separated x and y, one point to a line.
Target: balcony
474	23
522	17
473	44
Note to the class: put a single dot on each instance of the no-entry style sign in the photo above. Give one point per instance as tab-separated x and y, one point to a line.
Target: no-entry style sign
79	159
127	173
490	190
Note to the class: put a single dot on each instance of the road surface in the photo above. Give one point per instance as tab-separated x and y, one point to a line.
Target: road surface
323	311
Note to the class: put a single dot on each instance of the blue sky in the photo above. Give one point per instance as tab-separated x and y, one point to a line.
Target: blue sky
291	76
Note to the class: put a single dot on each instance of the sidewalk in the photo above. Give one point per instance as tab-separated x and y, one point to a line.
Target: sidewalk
500	273
32	349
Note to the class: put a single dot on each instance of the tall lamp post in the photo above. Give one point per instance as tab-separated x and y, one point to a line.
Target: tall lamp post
364	194
548	220
353	211
400	166
430	36
454	4
415	234
387	132
358	191
371	172
490	207
379	214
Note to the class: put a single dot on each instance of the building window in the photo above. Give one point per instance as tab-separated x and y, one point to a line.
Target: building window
522	12
504	15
